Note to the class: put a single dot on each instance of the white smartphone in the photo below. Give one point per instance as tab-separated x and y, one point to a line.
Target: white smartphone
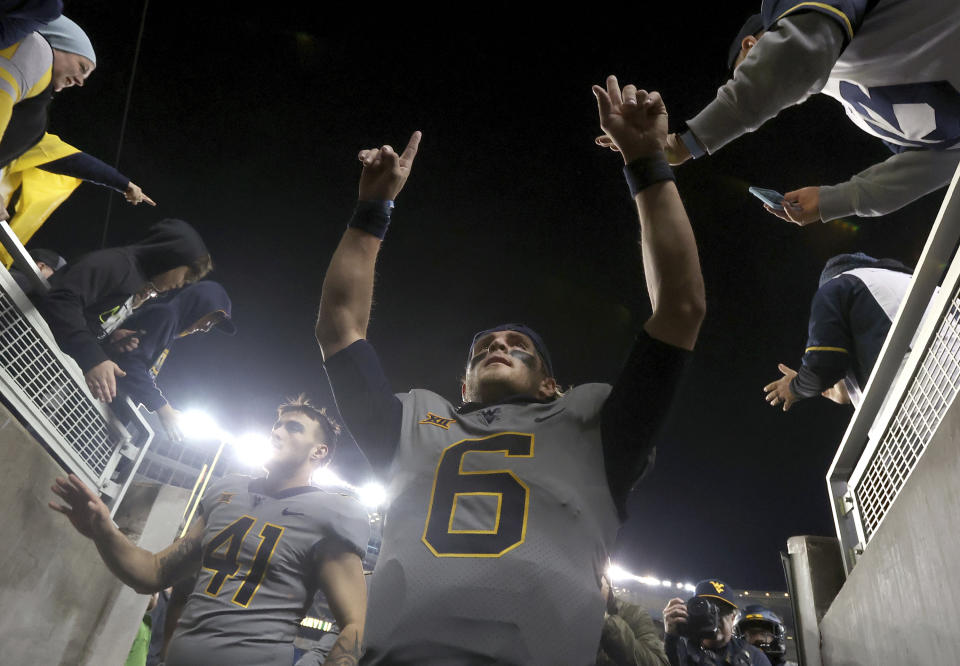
770	197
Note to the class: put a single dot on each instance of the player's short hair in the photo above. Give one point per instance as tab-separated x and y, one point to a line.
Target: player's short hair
328	425
199	268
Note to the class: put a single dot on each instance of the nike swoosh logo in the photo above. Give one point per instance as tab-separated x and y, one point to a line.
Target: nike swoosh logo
548	416
288	512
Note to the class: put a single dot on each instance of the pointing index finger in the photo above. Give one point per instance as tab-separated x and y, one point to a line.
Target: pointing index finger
410	151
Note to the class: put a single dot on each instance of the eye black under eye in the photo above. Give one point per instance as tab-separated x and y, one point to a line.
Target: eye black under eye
293	426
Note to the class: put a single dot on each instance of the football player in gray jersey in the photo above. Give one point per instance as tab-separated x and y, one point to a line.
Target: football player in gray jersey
502	511
259	548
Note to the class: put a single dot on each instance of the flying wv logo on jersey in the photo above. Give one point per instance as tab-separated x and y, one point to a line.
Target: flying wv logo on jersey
490	415
439	421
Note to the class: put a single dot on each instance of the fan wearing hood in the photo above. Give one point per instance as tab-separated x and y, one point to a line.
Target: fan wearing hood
91	297
850	317
142	346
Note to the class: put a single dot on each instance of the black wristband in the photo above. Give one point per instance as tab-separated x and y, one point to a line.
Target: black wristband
643	172
372	217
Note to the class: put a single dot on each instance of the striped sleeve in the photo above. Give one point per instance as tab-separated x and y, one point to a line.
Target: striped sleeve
848	14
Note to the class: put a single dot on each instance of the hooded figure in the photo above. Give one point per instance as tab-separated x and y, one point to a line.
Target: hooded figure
89	298
194	309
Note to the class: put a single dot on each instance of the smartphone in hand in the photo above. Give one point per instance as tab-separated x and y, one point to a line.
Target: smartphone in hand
770	197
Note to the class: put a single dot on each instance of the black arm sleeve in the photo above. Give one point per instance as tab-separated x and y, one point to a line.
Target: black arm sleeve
829	342
18	18
370	409
634	410
88	168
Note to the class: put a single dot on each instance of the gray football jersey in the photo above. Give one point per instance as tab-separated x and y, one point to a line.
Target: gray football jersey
498	529
258	571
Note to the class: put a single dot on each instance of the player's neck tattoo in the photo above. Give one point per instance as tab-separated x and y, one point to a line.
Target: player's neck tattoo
528	360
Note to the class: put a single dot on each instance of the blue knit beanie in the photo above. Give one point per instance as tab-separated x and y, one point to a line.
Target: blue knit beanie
65	35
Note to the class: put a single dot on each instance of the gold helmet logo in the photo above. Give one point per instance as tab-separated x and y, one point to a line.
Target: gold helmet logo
717	586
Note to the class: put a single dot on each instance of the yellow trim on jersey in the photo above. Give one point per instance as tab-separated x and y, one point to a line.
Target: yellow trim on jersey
833	349
821	5
6	76
266	565
453	512
40	85
506	454
227	544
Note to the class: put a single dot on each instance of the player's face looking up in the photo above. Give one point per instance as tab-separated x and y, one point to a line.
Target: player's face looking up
297	443
505	363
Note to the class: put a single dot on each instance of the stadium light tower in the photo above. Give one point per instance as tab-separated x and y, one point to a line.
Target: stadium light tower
198	425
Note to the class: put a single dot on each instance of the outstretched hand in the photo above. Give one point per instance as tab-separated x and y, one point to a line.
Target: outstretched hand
86	511
634	120
779	391
135	195
102	380
170	420
800	206
385	172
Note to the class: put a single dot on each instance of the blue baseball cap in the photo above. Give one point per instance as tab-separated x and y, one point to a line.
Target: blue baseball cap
519	328
715	589
758	613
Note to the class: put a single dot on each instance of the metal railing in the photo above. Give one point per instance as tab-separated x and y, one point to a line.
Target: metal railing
913	384
46	389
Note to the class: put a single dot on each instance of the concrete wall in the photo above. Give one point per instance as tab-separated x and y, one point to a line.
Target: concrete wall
900	605
60	605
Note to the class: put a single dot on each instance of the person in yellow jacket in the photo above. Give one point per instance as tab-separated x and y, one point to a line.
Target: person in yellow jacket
44	168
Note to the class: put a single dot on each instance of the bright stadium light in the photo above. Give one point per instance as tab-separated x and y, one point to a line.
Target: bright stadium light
617	574
690	587
196	424
372	494
666	583
327	477
252	449
679	586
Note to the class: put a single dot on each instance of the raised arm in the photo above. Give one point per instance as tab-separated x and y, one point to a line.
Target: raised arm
142	570
342	583
636	121
347	293
790	61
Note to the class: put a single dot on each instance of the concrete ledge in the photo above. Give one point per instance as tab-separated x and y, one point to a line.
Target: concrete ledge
60	603
900	603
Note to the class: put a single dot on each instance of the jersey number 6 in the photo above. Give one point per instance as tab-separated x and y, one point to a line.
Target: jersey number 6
452	485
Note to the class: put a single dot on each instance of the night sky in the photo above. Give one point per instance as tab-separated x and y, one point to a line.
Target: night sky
248	125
